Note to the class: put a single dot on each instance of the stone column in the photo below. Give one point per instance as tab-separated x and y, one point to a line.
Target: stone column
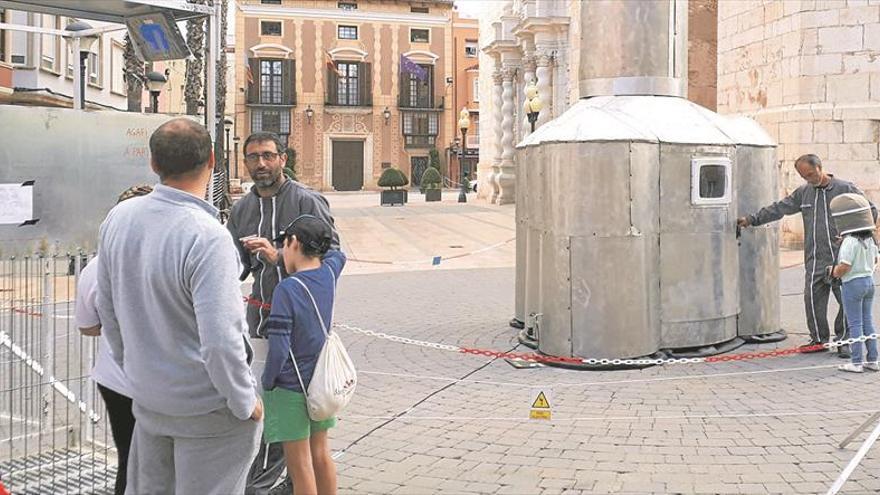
496	117
528	76
544	90
507	177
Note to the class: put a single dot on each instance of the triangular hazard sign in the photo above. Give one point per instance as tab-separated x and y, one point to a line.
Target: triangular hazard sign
541	402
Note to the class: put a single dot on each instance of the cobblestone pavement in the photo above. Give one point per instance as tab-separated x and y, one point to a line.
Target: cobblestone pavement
432	421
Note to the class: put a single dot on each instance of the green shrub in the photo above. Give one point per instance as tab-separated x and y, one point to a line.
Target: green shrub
393	178
431	179
434	158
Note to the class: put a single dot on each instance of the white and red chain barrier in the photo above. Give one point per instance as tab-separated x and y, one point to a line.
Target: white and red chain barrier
541	358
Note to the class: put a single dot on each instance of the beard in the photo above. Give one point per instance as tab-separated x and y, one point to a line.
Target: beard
268	181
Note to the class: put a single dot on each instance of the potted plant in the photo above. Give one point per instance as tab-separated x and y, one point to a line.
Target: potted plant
393	179
431	184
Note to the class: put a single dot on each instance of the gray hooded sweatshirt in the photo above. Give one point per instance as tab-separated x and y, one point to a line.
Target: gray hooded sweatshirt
266	217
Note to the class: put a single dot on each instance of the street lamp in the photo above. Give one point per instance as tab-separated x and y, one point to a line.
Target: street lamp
84	45
464	121
532	105
387	114
310	113
227	125
155	82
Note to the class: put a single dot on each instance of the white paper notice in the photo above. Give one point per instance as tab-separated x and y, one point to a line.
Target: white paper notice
16	203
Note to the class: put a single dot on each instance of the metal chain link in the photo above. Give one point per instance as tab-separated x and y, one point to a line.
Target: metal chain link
540	358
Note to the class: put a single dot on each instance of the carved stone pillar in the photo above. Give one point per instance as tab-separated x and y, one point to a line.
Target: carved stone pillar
507	178
529	64
496	115
544	90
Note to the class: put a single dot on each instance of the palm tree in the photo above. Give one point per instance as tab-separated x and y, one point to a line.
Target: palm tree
134	69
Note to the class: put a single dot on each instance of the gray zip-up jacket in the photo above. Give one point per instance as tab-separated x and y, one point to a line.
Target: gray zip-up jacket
170	305
266	217
819	228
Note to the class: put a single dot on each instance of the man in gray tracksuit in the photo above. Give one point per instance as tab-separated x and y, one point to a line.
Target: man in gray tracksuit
260	215
811	200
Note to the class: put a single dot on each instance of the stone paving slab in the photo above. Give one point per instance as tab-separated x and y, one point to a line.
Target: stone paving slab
431	421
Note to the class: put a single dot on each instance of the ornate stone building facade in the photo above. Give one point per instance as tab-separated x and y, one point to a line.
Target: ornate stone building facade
327	76
536	40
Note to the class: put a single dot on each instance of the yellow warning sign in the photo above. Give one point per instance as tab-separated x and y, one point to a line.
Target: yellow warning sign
541	402
539	414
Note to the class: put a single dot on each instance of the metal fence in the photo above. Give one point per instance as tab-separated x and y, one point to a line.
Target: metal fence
54	432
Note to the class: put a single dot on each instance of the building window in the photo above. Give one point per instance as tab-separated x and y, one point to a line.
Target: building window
270	81
475	90
419	36
49	44
94	68
420	128
347	84
270	28
419	10
117	68
470	49
2	37
271	2
415	92
710	181
347	5
275	120
347	32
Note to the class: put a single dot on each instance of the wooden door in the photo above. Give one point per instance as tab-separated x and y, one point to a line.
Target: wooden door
348	165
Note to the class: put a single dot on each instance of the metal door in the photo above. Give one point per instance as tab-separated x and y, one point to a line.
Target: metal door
418	166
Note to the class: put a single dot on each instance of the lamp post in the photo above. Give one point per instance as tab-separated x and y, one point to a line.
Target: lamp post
464	121
387	115
532	105
309	114
83	45
227	125
155	82
235	142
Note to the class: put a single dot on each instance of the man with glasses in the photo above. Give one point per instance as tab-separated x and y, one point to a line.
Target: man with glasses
260	215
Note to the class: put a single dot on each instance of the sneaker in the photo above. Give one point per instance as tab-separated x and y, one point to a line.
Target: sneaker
852	368
871	365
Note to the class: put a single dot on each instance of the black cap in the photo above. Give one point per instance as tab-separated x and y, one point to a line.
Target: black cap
314	233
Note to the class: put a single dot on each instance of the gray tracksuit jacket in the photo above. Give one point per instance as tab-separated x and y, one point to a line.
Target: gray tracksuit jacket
265	217
819	228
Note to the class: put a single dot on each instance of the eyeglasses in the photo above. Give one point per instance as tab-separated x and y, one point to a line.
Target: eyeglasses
266	156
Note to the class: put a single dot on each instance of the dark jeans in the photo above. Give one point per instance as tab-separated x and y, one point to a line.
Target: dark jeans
122	426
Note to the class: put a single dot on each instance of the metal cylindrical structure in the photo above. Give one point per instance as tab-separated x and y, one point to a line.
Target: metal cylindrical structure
633	48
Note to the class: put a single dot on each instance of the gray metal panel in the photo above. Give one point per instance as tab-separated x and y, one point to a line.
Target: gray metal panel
697	333
645	185
594	179
759	246
555	330
614	294
676	211
632	39
535	228
107	10
90	158
523	185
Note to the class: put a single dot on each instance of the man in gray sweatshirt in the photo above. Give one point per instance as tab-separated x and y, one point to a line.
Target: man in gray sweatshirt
170	305
260	215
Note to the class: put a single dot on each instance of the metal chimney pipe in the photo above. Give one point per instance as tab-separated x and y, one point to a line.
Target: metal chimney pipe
633	47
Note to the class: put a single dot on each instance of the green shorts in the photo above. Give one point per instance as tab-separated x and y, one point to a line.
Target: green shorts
286	418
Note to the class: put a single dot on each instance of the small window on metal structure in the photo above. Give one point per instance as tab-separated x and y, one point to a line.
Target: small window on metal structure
271	2
419	10
419	36
711	181
347	5
347	32
470	49
270	28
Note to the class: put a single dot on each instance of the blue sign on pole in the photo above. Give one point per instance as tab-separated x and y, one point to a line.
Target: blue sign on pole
154	35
